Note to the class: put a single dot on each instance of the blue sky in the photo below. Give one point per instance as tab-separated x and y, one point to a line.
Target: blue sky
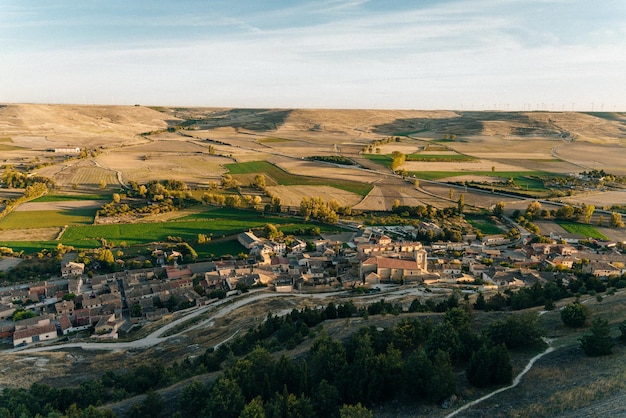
449	54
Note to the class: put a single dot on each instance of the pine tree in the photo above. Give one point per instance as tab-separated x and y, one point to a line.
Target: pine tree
599	343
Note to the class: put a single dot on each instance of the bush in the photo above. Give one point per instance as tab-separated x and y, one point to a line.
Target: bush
574	315
599	342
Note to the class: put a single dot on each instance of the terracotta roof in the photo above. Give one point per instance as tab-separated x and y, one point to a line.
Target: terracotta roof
392	263
32	331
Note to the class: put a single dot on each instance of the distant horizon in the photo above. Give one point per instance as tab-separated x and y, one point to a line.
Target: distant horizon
516	55
171	106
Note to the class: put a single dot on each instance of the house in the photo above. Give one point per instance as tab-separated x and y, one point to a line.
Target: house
65	307
75	150
248	239
393	268
72	269
601	269
28	331
6	311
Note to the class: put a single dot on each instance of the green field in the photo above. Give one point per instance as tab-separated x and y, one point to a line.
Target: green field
47	218
286	179
582	229
215	223
484	225
382	159
71	197
439	157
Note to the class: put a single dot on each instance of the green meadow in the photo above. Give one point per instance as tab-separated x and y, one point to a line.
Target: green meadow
582	229
286	179
484	225
47	218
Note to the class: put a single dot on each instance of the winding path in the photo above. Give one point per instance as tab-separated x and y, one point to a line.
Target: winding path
516	382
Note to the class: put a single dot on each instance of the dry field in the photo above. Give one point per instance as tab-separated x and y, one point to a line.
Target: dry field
293	195
63	205
598	199
324	170
559	142
608	157
30	234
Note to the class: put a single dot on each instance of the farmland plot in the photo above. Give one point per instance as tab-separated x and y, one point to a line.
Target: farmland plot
293	195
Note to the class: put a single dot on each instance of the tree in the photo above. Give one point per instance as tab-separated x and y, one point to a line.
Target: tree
102	184
116	198
616	220
451	193
259	181
588	212
355	411
416	183
498	209
254	409
193	398
599	342
225	399
574	315
490	366
533	210
461	203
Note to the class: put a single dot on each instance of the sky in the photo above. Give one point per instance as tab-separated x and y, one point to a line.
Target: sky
376	54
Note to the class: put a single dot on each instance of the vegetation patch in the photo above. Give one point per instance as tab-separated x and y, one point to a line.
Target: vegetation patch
335	159
439	157
284	178
484	225
47	218
582	229
382	159
71	197
5	139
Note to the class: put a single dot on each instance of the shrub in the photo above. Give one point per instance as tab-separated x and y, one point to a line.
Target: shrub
599	342
574	315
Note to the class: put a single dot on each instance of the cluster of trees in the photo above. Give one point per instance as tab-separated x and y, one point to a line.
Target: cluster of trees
377	143
316	208
17	180
397	160
335	159
165	196
232	200
414	360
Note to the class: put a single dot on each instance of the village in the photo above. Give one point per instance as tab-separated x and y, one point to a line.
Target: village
109	305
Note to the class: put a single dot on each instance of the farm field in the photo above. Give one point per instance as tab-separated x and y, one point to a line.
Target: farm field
35	218
211	223
199	145
582	229
284	178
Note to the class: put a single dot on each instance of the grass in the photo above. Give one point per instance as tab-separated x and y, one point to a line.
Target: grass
439	157
484	225
47	218
29	247
5	139
219	249
582	229
216	223
73	197
287	179
382	159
